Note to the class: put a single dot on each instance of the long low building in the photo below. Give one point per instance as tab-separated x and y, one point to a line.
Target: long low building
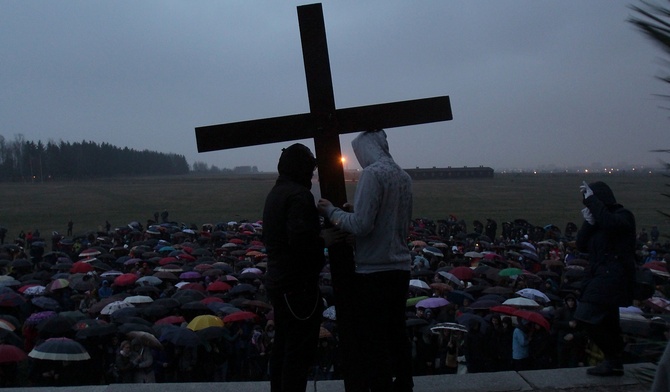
440	173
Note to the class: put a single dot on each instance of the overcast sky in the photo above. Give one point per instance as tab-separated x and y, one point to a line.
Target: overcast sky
531	82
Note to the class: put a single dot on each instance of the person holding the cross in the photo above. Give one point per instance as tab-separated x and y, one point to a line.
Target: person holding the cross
379	221
295	248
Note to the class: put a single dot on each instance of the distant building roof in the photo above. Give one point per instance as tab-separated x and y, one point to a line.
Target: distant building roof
440	173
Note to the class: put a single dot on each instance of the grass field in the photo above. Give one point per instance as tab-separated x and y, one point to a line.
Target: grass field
541	199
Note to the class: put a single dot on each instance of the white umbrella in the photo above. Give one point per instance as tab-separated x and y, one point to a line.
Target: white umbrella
474	255
114	306
138	299
521	302
35	290
534	294
419	283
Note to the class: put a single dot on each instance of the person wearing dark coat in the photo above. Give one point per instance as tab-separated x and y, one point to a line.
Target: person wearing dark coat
291	233
608	236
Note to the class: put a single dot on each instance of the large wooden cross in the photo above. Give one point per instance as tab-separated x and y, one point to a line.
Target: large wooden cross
324	123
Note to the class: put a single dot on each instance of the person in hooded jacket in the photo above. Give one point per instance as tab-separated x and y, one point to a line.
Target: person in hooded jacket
295	248
608	236
380	220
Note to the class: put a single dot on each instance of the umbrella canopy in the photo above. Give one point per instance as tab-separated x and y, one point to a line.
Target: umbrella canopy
58	284
510	272
138	299
38	317
463	273
432	303
451	278
450	326
125	279
112	307
146	339
521	302
533	317
180	336
204	321
150	280
504	309
239	316
60	349
418	283
35	290
459	297
45	303
11	299
431	250
534	294
10	353
170	320
218	286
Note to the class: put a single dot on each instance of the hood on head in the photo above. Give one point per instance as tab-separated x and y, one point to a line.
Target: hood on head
297	163
603	193
370	146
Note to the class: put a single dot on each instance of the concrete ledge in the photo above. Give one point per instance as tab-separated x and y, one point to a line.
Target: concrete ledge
533	380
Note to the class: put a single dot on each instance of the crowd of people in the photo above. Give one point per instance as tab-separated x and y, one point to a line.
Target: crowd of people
170	303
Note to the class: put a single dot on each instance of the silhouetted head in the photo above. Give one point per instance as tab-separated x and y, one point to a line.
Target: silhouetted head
603	192
297	163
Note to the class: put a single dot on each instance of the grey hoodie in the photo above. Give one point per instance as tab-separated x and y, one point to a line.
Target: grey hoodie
382	208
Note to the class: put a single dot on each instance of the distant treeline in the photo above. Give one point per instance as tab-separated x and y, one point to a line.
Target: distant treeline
22	160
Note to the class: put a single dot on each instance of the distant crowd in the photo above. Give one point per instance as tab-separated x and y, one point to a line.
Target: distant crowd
167	302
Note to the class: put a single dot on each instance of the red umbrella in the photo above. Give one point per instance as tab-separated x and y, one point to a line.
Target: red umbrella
504	309
463	273
11	299
81	267
209	300
218	286
168	260
193	286
170	320
125	280
239	316
10	353
533	317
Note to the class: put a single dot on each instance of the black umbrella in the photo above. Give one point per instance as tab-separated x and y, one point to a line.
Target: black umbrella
96	331
58	326
60	349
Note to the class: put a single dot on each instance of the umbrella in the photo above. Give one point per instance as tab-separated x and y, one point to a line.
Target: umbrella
204	321
330	313
58	326
179	336
534	294
449	326
96	331
218	286
239	316
35	290
138	299
211	333
533	317
521	302
11	299
10	353
243	288
9	281
510	272
483	304
58	284
190	275
38	317
467	319
170	320
462	273
418	283
451	277
6	325
60	349
114	306
459	296
432	303
504	309
45	303
431	250
659	304
474	255
125	279
146	339
411	302
150	280
418	243
81	267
